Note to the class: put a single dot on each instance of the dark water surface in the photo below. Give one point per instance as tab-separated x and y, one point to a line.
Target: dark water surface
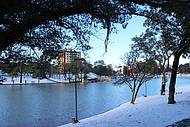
52	105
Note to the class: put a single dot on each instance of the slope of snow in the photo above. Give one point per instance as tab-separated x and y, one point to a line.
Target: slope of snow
146	112
59	80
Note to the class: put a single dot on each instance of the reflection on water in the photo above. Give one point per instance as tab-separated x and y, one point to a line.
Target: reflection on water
53	105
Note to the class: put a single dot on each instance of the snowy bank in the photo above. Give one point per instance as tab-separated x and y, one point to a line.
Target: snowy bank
25	80
146	112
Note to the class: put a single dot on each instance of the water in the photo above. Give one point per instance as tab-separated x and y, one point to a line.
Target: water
53	105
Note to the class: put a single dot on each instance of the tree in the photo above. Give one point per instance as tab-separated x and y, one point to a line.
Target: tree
184	68
18	60
99	62
156	46
88	67
103	70
176	25
100	68
19	17
137	72
14	60
183	45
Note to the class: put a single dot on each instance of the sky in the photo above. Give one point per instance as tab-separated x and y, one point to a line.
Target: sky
120	43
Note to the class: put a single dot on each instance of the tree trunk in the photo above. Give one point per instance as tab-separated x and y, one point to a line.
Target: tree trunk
163	88
21	71
173	79
65	75
133	97
168	65
137	91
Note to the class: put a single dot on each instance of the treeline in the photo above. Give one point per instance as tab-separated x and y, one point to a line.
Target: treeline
40	69
184	68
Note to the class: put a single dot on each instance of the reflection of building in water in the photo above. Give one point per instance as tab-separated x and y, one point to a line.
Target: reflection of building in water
67	57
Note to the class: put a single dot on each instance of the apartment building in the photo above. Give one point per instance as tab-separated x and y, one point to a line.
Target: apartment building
68	56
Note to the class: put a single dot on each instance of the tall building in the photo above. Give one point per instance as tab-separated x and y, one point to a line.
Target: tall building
68	56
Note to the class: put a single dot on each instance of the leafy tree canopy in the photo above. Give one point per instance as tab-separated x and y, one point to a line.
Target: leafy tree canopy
32	22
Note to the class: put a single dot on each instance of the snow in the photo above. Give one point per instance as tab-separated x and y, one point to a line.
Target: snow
25	80
53	79
151	111
91	75
59	80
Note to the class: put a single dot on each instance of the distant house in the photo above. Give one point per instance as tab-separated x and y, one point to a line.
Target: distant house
92	77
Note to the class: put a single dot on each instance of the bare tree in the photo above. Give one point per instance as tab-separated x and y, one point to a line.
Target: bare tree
137	71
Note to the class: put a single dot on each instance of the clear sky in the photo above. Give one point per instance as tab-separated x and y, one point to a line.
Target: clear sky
119	43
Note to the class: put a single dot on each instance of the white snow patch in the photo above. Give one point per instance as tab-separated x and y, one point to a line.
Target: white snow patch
25	80
146	112
92	76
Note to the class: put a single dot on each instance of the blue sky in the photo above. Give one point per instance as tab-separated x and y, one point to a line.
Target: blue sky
119	43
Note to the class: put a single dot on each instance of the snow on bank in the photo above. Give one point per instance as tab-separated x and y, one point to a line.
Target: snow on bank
25	80
147	112
58	80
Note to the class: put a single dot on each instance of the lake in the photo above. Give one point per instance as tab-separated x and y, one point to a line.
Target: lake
48	105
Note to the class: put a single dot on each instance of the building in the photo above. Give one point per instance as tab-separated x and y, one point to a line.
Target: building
67	57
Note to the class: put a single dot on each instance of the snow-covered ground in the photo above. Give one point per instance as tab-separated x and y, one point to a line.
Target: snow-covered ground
146	112
25	80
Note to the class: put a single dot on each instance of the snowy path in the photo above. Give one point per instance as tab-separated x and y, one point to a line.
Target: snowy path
147	112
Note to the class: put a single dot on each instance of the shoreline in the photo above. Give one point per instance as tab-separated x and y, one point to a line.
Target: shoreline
147	111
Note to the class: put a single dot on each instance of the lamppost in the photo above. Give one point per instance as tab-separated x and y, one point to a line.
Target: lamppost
75	120
76	100
145	90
